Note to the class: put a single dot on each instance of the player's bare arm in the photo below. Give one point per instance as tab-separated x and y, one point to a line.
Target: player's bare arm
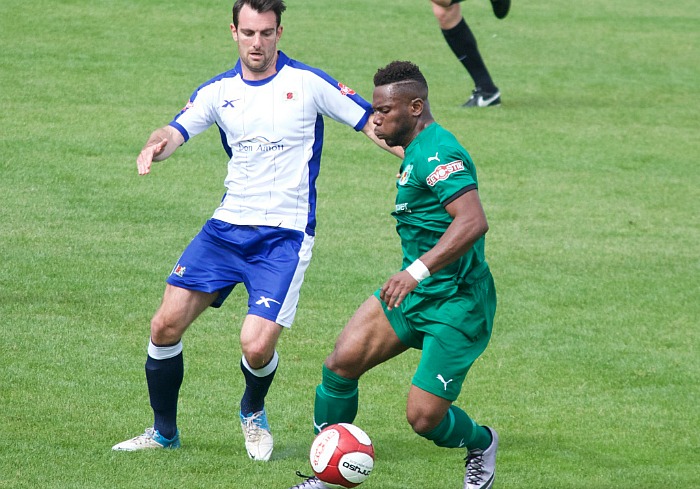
160	145
468	225
369	132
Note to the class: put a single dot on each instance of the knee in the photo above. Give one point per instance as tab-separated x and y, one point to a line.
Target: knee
422	420
447	17
164	332
344	364
334	362
257	353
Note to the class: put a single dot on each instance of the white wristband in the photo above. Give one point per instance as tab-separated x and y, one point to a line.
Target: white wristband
418	271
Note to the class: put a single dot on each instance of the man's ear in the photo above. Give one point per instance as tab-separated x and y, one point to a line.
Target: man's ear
416	107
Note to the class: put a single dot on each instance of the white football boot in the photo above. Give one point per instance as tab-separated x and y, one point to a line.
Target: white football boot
258	439
150	439
481	465
309	483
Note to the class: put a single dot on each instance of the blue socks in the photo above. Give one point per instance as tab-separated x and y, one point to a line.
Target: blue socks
164	373
257	383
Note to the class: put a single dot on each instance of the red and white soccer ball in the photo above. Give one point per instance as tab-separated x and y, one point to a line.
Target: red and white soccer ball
342	456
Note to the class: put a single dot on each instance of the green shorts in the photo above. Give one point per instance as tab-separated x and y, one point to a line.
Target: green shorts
452	332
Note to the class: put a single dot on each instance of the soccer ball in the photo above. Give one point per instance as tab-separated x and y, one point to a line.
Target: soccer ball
342	456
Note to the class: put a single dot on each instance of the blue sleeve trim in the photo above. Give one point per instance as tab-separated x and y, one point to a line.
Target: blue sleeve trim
360	125
181	130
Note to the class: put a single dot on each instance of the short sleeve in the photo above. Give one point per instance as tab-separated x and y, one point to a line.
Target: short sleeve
451	176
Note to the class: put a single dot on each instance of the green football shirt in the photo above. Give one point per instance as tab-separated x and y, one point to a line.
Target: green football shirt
435	171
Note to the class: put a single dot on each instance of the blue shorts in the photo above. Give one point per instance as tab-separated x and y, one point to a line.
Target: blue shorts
269	261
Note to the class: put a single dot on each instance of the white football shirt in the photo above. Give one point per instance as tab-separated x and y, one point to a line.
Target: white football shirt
272	130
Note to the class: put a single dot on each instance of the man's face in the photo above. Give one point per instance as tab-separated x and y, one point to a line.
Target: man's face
392	119
257	36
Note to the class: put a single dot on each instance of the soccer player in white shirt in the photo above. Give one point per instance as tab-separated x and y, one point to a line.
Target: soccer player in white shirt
269	110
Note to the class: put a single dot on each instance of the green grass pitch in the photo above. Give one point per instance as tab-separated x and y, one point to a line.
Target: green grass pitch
589	176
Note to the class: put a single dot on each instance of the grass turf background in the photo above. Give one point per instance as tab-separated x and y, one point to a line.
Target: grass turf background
588	174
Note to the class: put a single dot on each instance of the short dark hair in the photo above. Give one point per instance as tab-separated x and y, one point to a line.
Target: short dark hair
260	6
405	73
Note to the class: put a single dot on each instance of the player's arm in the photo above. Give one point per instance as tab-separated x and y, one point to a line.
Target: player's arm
160	145
369	132
468	225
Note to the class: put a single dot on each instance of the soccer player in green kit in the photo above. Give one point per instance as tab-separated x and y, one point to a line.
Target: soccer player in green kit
442	302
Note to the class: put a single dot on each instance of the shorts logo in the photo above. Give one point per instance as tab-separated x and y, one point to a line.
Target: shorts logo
442	379
266	301
179	270
345	90
444	171
405	174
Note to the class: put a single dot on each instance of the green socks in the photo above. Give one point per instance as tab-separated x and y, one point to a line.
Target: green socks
457	430
336	400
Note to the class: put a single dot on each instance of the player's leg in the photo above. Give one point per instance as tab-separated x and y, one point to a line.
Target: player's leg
459	329
259	363
277	261
446	425
164	365
464	46
449	350
433	416
205	274
367	340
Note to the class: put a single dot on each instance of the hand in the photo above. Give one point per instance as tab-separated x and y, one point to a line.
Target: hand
397	288
145	158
